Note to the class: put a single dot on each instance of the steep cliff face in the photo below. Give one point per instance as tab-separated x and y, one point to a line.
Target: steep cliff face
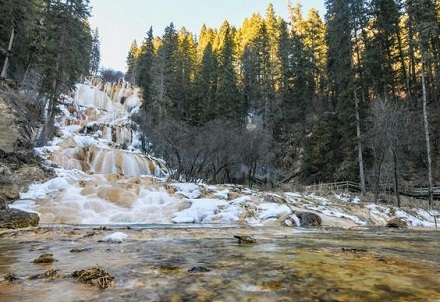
19	166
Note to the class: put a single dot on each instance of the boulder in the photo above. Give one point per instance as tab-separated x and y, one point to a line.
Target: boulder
398	223
308	219
8	193
14	219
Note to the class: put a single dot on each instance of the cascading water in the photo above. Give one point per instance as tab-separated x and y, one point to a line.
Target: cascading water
102	177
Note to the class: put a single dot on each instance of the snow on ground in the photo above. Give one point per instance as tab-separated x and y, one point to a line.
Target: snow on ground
116	237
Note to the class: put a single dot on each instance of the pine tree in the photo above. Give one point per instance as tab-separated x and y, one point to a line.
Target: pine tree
186	67
202	108
18	29
379	58
229	101
95	56
144	68
132	59
339	53
65	55
315	46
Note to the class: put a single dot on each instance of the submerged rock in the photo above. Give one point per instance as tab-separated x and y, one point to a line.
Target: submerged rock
15	219
245	239
45	258
49	274
198	269
398	223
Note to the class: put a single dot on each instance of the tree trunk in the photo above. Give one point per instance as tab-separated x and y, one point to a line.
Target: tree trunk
396	179
359	143
428	143
8	55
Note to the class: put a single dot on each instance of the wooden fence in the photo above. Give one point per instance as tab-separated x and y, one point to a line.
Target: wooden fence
354	187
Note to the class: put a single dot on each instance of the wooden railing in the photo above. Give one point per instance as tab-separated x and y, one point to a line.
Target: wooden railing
355	187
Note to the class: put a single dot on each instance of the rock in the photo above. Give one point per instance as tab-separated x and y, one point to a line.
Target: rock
233	195
353	250
49	274
8	193
11	277
198	269
308	219
397	222
80	250
14	219
245	239
275	198
45	258
19	165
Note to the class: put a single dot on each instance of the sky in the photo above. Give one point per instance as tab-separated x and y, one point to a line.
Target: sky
121	21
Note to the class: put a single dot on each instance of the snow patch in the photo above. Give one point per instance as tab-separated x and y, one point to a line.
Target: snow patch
116	237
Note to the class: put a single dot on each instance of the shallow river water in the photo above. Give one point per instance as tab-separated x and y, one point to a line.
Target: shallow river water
181	263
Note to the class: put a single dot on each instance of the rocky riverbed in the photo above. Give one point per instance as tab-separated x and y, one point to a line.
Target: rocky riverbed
184	263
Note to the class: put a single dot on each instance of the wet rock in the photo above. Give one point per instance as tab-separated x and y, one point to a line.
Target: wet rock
80	250
39	248
49	274
242	239
94	276
45	258
289	220
11	277
198	269
308	219
15	219
398	223
353	250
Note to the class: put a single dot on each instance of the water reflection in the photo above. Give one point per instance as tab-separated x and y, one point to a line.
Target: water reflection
159	263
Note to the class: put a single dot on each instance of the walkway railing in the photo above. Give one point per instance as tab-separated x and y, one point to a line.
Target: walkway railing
354	187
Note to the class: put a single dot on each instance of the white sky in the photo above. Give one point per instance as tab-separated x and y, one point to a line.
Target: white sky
121	21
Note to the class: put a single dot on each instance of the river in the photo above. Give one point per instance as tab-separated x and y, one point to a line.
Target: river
182	263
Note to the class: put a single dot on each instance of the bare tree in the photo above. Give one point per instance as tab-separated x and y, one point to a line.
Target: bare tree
386	139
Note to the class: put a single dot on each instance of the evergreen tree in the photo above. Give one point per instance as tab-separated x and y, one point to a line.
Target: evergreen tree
18	29
339	53
165	69
380	55
144	68
315	47
186	67
229	101
65	55
132	59
203	106
95	56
